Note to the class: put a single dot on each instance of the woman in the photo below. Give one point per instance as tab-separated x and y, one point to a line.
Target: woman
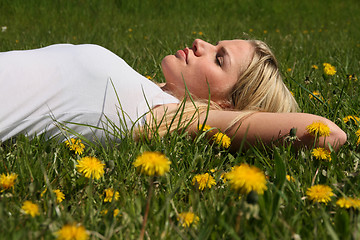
89	85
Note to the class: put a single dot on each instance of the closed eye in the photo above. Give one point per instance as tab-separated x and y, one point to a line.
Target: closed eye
219	60
221	56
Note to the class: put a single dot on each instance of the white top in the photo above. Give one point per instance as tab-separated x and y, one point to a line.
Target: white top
83	84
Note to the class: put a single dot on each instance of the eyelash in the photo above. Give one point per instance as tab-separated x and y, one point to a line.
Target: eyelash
218	62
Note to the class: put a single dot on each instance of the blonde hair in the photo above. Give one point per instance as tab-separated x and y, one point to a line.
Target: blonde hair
259	88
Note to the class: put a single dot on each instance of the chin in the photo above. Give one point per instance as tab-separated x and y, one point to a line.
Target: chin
167	61
168	65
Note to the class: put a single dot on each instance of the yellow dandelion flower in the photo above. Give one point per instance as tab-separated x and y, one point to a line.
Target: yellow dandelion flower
329	69
292	93
30	208
72	232
265	31
116	212
187	219
357	133
152	163
75	145
104	212
314	67
204	128
43	192
201	33
148	77
91	167
289	69
317	94
350	118
203	181
59	195
290	178
109	195
223	177
222	140
7	181
352	77
320	193
245	178
343	202
321	154
355	203
318	128
251	30
348	202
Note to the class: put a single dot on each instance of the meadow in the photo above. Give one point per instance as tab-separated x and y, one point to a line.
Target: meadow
303	35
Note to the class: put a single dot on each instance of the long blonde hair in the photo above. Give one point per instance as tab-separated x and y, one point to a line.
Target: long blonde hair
259	88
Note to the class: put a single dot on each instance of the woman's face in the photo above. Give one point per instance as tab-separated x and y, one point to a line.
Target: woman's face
217	65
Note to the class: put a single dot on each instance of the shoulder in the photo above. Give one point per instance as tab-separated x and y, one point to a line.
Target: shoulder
88	56
87	49
92	47
61	48
75	50
72	46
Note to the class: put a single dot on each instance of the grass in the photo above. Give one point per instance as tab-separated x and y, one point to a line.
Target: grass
302	34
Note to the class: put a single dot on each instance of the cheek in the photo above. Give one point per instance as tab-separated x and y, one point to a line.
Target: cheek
220	84
214	78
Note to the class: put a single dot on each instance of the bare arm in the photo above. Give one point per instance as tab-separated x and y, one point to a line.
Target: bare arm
272	126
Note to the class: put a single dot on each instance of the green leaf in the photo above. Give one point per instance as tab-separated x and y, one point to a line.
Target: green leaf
280	177
342	223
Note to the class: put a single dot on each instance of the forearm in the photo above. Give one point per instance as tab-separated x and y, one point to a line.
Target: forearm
272	127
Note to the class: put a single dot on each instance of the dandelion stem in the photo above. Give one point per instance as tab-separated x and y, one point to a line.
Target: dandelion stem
316	140
142	233
238	220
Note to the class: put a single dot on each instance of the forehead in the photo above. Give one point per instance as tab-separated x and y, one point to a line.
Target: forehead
235	42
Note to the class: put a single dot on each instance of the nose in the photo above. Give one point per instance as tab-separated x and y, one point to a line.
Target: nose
200	47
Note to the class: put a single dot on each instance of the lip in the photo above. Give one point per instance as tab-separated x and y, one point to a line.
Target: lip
183	54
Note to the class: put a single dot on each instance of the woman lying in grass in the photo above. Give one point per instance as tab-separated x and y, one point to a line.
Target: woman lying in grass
90	86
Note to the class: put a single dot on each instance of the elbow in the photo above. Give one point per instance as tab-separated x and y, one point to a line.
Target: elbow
337	138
